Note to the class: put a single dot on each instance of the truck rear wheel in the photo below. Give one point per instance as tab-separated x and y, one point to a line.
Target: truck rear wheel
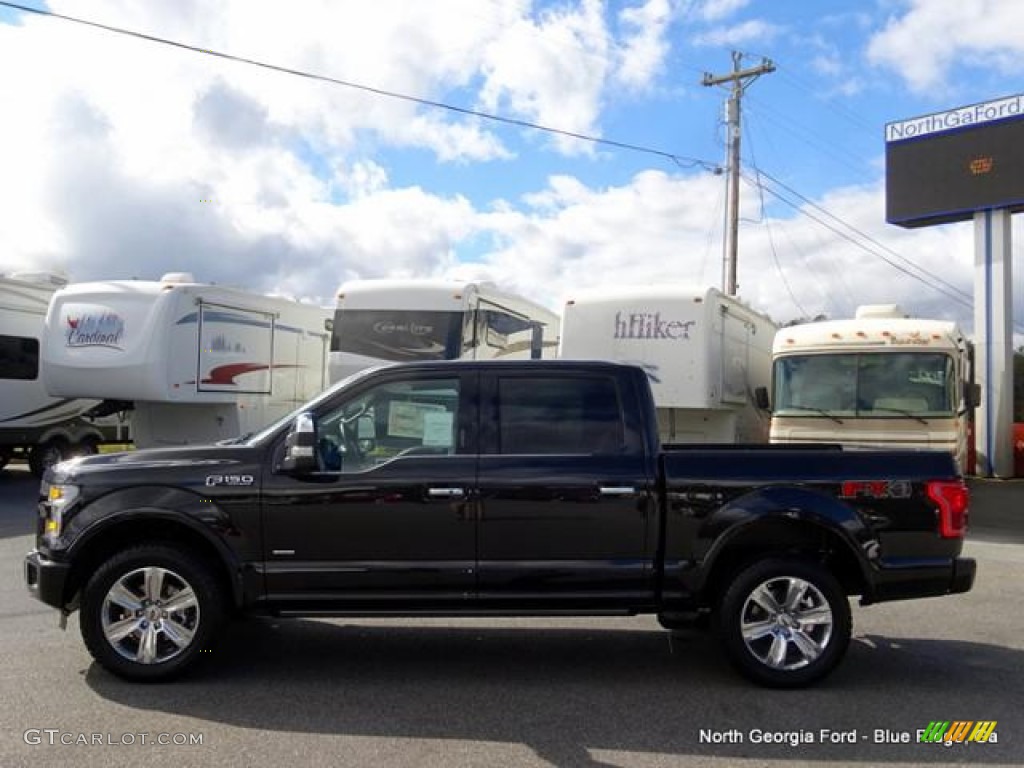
148	612
785	622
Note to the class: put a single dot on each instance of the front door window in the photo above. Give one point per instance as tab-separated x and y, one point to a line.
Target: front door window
400	418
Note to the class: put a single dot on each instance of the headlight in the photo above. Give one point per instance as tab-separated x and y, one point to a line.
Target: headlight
59	498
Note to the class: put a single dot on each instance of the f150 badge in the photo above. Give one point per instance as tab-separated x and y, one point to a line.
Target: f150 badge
229	480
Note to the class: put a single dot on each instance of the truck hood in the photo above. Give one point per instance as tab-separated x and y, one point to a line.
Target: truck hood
151	461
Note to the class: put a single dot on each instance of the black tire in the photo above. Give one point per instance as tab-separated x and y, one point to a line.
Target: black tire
124	614
44	455
5	457
785	622
88	447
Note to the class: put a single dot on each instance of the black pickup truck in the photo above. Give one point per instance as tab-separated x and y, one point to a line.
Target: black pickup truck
493	488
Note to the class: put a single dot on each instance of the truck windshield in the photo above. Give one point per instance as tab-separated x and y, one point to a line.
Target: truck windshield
398	335
876	385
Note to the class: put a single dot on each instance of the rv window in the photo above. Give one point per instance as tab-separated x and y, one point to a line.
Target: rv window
19	358
884	385
399	335
504	333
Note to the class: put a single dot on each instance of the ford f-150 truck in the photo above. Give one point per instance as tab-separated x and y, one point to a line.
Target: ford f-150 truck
493	488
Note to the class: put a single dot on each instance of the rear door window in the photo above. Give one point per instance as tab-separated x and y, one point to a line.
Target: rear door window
563	415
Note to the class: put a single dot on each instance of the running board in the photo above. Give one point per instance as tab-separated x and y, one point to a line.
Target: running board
440	614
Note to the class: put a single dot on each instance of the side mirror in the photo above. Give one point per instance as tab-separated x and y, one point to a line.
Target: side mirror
300	447
761	399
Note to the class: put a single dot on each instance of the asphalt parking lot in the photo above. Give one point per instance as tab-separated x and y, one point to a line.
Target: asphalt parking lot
567	692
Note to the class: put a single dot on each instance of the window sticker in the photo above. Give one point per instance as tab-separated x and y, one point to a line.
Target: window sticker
437	428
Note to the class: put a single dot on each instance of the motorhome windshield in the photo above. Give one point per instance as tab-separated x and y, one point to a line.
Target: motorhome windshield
399	335
879	385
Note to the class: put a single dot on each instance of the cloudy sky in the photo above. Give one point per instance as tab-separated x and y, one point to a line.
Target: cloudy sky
126	158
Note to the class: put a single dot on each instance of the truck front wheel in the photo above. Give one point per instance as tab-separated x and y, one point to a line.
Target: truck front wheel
148	612
785	622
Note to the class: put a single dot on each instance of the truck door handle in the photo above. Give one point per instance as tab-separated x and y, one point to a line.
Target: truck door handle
617	490
446	493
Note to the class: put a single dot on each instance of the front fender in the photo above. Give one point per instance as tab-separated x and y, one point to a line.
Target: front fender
161	505
200	513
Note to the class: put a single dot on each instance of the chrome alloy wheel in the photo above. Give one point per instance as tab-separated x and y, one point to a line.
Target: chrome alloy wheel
786	623
150	615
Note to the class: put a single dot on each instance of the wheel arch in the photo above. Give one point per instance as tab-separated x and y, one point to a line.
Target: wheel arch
783	534
157	527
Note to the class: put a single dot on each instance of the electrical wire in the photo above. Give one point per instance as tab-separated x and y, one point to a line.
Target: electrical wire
771	238
961	293
680	160
848	159
958	296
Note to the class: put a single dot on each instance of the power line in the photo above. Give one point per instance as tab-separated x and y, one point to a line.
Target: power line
867	237
847	298
836	107
680	160
778	268
771	238
837	152
958	296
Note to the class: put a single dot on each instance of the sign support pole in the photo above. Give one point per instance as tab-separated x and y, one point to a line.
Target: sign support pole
993	351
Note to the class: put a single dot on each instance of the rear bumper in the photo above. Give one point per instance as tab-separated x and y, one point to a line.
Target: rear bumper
950	578
46	579
964	569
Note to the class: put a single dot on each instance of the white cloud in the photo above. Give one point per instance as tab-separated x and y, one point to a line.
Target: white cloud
924	43
754	31
108	163
124	157
362	179
660	228
551	70
425	50
570	236
716	10
642	54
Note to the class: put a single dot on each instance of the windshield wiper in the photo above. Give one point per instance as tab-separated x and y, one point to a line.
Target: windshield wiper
902	412
822	411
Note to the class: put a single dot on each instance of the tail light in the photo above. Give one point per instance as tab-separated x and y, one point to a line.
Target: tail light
951	497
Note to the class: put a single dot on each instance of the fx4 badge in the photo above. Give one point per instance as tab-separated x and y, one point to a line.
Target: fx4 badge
876	489
229	480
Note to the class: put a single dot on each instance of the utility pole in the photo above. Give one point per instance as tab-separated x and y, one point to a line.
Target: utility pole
740	79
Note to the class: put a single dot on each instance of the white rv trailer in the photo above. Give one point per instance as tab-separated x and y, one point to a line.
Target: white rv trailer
880	380
705	354
34	425
393	320
200	362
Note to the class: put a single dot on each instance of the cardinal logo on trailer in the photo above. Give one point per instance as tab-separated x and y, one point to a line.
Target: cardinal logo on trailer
94	329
